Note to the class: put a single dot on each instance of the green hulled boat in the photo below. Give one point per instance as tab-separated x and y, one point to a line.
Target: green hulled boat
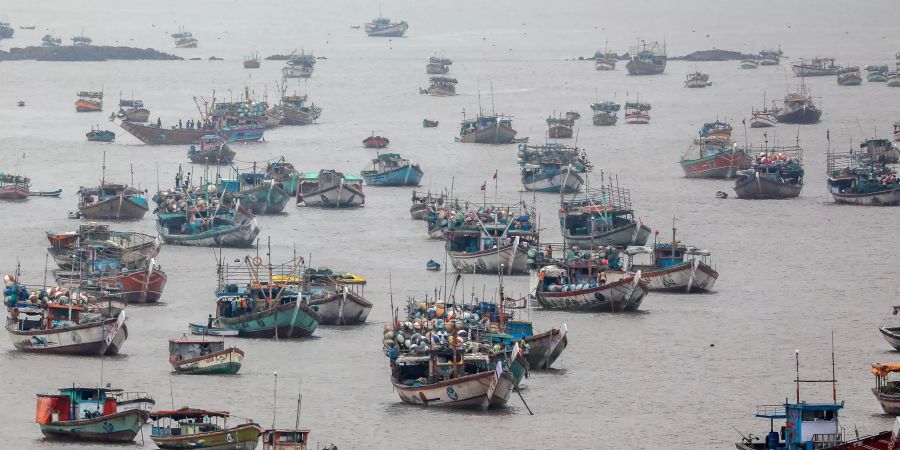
292	318
189	428
87	414
204	357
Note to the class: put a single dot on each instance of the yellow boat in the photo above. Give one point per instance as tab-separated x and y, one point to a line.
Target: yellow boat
349	278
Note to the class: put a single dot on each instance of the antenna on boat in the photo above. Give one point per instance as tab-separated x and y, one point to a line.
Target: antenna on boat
275	400
103	171
797	359
299	400
833	377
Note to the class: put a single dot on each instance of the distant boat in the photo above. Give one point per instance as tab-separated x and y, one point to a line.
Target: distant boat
575	287
605	113
252	61
552	167
296	110
89	101
776	173
437	66
560	127
605	60
433	265
383	27
877	74
601	217
637	113
212	150
99	135
749	63
184	39
770	57
798	108
29	27
442	86
819	67
647	59
133	111
50	41
331	189
201	329
389	169
697	80
195	428
21	103
204	357
714	154
6	31
429	123
88	415
861	179
673	267
299	65
487	129
376	141
14	187
850	78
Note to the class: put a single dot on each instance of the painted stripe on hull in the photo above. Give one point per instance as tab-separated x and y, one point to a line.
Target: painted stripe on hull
617	296
464	392
884	198
620	237
119	208
118	427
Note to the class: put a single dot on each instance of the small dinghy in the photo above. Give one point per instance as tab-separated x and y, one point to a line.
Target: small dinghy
432	265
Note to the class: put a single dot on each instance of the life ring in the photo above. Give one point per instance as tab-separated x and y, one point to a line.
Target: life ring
257	261
599	297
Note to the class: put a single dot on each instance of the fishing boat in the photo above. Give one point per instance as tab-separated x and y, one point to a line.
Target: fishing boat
762	118
88	414
749	63
714	157
336	299
442	86
204	357
605	60
126	401
63	328
776	173
212	150
849	78
130	250
893	79
206	330
559	127
877	73
857	179
184	39
295	110
111	201
50	41
887	389
647	59
81	40
376	141
99	135
252	61
133	111
6	31
438	66
813	424
256	192
487	129
204	228
433	266
552	167
492	239
600	217
819	67
605	113
637	113
890	328
672	267
189	428
263	301
770	57
542	349
14	187
389	169
383	27
697	80
331	189
89	101
429	123
422	202
580	285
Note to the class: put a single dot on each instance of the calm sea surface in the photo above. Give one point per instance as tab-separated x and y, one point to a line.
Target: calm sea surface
678	375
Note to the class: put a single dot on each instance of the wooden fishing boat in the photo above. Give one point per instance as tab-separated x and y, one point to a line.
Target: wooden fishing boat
260	194
331	189
543	349
559	127
204	330
819	67
294	110
14	187
697	80
762	118
89	101
849	78
581	286
285	439
813	425
133	111
714	154
798	108
605	113
99	135
749	63
204	357
226	229
776	173
861	179
127	401
637	113
429	123
130	249
492	240
605	60
154	134
212	150
887	389
484	389
493	129
252	61
142	286
344	306
673	267
877	73
389	169
64	329
184	39
552	167
188	428
375	141
383	27
600	217
770	57
893	79
87	414
647	59
442	86
111	201
433	68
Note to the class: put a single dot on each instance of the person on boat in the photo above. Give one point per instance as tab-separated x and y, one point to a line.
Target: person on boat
179	124
549	252
209	322
158	123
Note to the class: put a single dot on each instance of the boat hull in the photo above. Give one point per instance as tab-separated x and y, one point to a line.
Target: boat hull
565	181
469	391
631	234
545	348
236	236
86	106
684	277
637	119
805	71
119	208
244	437
497	134
617	296
340	196
890	403
225	362
441	92
93	339
341	309
143	287
117	427
395	30
512	257
880	441
761	122
643	68
559	132
216	157
152	135
605	119
892	336
882	198
13	193
722	165
135	115
418	212
267	198
410	175
760	188
292	320
799	115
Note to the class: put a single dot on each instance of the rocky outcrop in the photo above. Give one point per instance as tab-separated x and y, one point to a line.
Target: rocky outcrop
712	55
84	53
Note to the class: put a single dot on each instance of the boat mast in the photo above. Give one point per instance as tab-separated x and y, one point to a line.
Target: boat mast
103	171
299	399
275	400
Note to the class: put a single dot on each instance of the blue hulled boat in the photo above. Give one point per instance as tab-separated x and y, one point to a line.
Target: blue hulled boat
389	169
552	167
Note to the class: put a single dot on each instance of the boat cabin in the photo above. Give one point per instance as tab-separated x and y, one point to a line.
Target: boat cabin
287	439
592	219
662	256
324	179
61	316
75	404
186	422
807	426
183	349
473	238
